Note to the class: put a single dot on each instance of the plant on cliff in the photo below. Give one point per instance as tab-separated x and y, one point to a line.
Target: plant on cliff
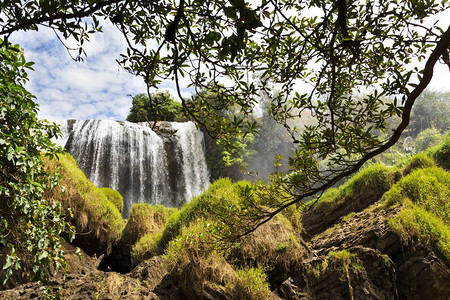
30	226
337	47
370	183
441	152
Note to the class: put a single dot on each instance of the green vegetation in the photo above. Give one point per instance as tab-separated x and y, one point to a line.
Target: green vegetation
93	214
341	260
370	183
279	40
441	153
30	226
427	138
426	214
193	236
144	228
114	197
253	283
431	110
418	161
162	107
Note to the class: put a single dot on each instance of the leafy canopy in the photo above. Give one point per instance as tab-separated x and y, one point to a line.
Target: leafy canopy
336	49
156	106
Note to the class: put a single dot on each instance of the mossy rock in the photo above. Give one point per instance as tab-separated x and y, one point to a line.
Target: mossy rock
98	222
441	153
114	197
425	218
418	161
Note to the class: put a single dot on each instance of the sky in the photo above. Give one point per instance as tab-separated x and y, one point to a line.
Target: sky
98	88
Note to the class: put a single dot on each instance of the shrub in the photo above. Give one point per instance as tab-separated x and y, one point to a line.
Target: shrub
94	216
146	247
416	223
30	226
252	282
143	229
272	245
203	206
192	254
427	138
114	197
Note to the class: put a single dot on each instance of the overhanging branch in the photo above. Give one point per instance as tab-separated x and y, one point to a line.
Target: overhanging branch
441	50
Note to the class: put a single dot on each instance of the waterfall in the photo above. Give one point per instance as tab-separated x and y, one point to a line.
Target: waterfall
143	166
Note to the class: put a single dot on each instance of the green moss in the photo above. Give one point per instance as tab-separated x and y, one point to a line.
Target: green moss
92	211
191	243
220	192
415	222
418	161
114	197
441	153
145	247
369	183
144	219
425	194
341	260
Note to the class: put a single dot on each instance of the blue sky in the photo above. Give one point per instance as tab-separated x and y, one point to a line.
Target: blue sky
98	87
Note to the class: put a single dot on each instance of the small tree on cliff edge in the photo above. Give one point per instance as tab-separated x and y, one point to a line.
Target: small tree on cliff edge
338	48
161	107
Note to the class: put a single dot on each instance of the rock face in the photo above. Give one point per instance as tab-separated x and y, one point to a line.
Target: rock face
360	257
381	267
168	168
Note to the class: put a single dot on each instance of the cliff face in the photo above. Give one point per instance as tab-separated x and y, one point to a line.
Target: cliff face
359	258
363	258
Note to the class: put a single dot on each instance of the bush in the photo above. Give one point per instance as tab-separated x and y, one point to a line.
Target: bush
114	197
30	226
219	192
94	216
272	245
191	254
144	219
427	138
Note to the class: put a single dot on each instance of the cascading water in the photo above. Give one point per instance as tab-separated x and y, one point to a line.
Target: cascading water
143	166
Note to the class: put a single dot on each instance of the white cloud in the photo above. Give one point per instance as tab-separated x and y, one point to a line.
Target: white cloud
98	87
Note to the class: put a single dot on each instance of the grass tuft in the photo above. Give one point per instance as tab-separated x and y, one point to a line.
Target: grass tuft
425	194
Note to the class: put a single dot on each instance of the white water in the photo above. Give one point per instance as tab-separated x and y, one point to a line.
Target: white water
137	162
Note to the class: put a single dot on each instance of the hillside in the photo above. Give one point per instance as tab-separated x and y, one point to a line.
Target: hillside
384	234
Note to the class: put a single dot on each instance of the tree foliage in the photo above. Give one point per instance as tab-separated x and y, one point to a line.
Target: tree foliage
30	226
430	110
338	48
162	106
